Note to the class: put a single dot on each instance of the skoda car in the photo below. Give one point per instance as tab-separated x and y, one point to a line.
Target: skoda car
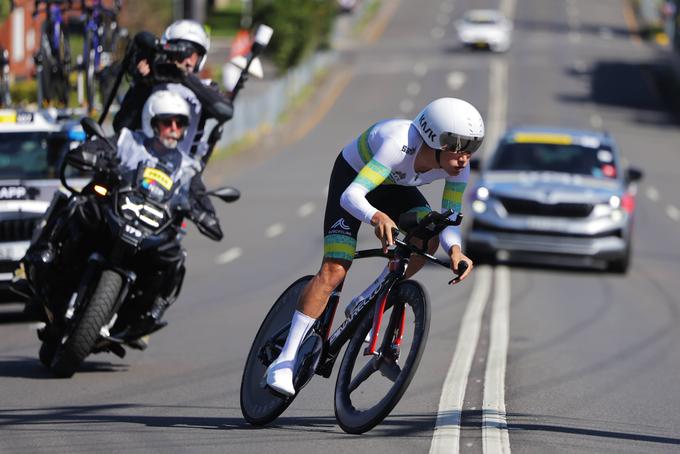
485	28
558	196
31	146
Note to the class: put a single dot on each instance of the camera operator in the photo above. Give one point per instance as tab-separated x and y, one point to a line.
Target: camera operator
174	66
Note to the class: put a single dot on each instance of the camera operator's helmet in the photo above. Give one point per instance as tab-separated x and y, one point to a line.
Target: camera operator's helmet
192	33
450	124
163	104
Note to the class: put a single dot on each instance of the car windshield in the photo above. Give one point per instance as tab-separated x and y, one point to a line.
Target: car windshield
546	157
30	155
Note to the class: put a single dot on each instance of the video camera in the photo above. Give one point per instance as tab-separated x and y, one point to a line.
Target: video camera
161	56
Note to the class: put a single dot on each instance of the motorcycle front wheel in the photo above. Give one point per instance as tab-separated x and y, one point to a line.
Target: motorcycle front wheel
97	312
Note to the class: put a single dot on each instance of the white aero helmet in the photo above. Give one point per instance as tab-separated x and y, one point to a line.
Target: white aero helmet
450	124
192	32
163	103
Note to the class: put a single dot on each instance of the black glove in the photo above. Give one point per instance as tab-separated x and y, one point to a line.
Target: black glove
92	155
208	224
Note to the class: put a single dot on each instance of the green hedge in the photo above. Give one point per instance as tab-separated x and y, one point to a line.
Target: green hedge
300	27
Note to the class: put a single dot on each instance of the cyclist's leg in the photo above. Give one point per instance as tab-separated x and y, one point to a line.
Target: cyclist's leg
340	233
395	200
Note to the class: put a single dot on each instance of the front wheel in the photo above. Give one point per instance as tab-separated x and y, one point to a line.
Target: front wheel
259	405
369	387
96	313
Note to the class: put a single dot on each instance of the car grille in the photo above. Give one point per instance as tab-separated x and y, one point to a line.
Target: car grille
534	208
17	229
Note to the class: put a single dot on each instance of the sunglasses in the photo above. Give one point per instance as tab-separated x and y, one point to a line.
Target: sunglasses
179	121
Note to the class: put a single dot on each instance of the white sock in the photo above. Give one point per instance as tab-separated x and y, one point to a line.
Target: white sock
299	326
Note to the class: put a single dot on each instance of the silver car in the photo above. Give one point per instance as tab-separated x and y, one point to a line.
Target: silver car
553	195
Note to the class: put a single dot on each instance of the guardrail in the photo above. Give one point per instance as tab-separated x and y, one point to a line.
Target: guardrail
254	111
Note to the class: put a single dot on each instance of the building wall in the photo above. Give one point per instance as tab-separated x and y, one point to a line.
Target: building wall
20	34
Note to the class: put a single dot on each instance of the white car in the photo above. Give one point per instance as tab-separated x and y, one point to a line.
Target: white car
32	144
485	28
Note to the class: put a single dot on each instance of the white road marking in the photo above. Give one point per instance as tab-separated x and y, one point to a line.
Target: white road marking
652	194
495	435
420	69
413	88
446	436
305	210
229	256
595	121
455	80
447	7
673	212
437	33
274	230
406	106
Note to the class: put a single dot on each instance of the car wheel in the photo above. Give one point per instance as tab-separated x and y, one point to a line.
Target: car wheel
620	266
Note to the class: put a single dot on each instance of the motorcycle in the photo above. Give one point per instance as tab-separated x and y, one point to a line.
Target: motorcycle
117	247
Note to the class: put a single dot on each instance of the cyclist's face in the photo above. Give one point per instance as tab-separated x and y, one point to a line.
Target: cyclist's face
453	162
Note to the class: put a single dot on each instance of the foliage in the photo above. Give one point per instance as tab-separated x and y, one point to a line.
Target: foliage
300	27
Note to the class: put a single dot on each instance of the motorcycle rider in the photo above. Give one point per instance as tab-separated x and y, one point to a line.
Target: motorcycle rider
165	118
374	180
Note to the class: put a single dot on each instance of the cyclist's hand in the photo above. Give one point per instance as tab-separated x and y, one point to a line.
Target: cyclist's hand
383	229
457	257
143	67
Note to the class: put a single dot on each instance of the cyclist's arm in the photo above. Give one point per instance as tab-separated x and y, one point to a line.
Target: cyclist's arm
452	199
370	177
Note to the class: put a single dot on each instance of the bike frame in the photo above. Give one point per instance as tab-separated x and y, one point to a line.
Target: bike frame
399	259
95	14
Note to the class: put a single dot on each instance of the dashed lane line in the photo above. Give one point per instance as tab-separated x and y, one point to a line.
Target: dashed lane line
274	230
229	256
306	209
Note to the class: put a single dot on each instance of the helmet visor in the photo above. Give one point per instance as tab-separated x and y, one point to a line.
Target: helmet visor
457	142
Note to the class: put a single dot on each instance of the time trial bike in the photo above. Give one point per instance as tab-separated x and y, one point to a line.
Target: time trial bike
380	359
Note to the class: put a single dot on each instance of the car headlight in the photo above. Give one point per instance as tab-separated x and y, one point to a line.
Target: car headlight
479	206
482	193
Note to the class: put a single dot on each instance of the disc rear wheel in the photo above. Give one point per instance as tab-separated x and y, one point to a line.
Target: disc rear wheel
259	404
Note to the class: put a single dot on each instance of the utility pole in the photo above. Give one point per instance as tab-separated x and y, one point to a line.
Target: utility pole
195	9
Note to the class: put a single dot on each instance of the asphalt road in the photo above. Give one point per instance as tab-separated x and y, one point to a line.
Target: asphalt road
546	360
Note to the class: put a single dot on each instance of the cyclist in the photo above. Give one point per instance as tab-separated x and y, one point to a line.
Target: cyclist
374	180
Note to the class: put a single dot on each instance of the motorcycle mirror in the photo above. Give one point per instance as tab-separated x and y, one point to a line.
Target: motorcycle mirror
226	194
92	128
263	34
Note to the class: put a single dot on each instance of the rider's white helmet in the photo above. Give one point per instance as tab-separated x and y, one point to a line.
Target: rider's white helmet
450	124
191	31
163	103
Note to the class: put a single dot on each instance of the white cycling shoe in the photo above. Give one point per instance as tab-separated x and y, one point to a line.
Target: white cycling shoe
280	377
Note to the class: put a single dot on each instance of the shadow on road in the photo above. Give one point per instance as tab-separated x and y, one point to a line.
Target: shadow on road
30	367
